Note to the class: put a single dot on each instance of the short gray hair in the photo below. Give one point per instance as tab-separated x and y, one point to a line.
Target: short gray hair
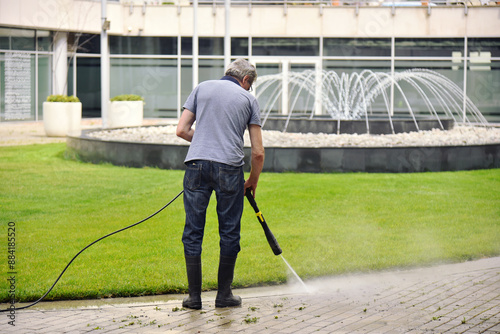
241	68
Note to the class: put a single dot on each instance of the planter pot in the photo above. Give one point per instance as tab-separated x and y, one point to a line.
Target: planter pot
125	113
62	118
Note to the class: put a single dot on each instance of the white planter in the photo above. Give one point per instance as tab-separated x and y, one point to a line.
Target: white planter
62	118
125	113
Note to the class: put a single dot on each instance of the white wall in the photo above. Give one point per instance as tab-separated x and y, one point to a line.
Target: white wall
261	21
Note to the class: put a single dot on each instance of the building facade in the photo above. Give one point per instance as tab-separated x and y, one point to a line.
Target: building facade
160	50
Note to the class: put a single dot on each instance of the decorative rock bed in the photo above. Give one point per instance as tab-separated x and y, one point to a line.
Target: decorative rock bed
461	148
459	136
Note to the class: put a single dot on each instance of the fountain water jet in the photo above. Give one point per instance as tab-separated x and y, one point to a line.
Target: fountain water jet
345	98
351	97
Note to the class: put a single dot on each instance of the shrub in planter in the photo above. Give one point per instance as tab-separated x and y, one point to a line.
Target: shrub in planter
127	97
62	98
125	110
62	115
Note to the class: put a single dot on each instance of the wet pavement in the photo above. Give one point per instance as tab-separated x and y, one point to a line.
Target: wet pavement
447	298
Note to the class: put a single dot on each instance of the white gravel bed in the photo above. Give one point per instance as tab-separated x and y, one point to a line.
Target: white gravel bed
459	136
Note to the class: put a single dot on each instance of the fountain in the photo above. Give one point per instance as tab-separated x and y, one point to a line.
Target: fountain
344	103
358	106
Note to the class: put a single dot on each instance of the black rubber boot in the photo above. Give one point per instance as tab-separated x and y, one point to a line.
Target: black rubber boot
225	296
193	268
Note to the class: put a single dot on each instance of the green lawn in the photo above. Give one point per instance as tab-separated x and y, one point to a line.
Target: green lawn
326	224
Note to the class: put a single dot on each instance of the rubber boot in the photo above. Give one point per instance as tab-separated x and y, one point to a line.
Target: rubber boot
193	268
225	296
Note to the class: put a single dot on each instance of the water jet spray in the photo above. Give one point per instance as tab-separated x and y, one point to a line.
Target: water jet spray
270	236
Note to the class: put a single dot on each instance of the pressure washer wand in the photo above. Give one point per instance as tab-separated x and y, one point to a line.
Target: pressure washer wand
269	235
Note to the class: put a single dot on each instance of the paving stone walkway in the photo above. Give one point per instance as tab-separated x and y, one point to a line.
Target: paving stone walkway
448	298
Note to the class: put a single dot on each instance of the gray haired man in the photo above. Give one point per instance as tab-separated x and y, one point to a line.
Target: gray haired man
223	109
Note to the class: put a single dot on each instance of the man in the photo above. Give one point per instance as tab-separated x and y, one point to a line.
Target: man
222	109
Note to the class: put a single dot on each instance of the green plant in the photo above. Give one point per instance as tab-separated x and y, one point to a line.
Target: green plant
177	309
127	97
251	320
62	98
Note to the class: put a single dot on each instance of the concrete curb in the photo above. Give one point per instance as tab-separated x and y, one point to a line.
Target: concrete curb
299	159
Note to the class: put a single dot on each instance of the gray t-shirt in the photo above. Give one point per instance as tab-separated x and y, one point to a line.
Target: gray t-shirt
223	111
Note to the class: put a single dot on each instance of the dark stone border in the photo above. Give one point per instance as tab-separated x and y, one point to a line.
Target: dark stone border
377	126
310	160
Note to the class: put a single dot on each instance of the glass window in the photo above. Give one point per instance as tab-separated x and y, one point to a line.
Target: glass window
285	46
239	46
88	85
84	43
357	66
483	85
491	45
211	46
44	40
70	80
44	81
153	79
186	79
17	39
186	46
428	47
143	45
357	47
207	46
4	39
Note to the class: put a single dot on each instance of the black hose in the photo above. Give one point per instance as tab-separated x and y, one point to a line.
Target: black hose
94	242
